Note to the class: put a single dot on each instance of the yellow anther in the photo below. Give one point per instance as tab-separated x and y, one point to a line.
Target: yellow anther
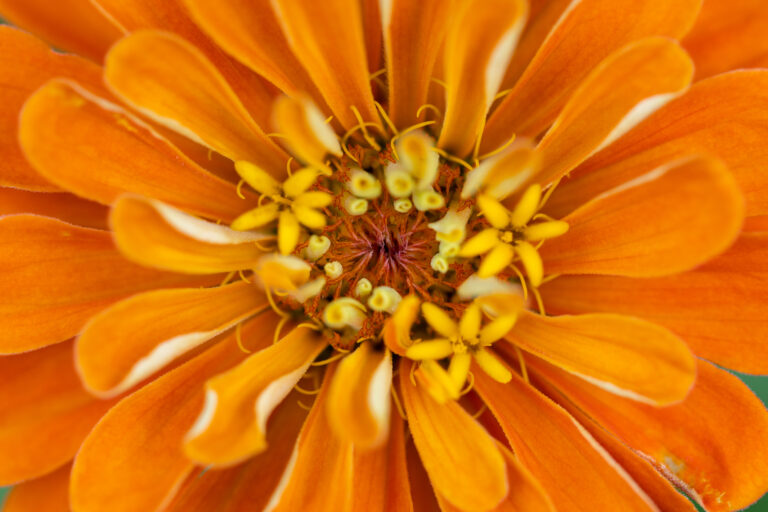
363	288
259	179
333	269
384	299
527	206
479	244
439	263
398	180
403	205
355	205
344	313
415	151
364	184
507	237
495	261
452	227
546	230
316	247
531	260
428	199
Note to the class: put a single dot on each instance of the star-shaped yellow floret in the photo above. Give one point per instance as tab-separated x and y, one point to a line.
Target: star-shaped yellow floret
292	204
511	235
461	342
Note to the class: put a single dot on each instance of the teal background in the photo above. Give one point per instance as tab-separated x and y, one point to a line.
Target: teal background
758	384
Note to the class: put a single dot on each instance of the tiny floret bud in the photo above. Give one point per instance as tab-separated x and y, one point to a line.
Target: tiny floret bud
428	199
355	205
333	269
344	312
363	288
317	246
439	263
398	180
384	299
449	250
364	184
403	205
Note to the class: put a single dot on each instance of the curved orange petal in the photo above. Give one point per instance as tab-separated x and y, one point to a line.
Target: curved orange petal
238	403
543	16
307	483
729	35
249	31
46	412
619	93
327	38
246	487
358	401
148	454
725	116
662	491
26	64
668	221
170	15
131	340
62	206
73	25
624	355
172	82
719	309
701	442
144	235
447	439
98	150
413	33
49	493
588	32
574	469
479	42
55	276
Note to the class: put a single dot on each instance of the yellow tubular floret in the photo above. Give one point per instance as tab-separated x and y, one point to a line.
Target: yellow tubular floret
398	181
344	313
428	199
317	247
439	263
364	184
403	205
385	299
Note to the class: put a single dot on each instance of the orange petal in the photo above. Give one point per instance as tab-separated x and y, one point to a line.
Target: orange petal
422	493
327	37
238	403
133	339
662	491
49	493
607	103
413	33
145	235
98	151
170	15
478	44
588	32
56	275
728	36
249	31
62	206
461	458
46	412
542	17
144	69
147	454
525	492
358	401
719	309
249	485
73	25
701	442
25	65
625	355
574	469
668	221
307	484
725	116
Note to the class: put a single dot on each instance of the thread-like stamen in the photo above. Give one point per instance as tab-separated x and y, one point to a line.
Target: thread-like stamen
522	281
451	158
480	411
310	392
499	149
303	405
539	302
363	124
398	405
329	360
521	359
239	338
548	193
239	189
429	106
228	277
383	114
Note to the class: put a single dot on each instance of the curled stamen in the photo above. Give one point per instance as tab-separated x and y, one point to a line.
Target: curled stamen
363	124
328	361
228	277
431	107
239	338
273	305
243	278
501	94
309	392
439	82
499	149
452	158
288	166
480	411
523	368
239	189
303	405
407	130
539	302
470	384
279	329
398	405
548	193
386	118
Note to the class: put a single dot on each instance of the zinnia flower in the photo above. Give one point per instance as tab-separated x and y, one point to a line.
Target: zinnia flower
397	255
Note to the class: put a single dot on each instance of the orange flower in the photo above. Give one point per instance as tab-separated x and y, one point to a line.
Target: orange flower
397	255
